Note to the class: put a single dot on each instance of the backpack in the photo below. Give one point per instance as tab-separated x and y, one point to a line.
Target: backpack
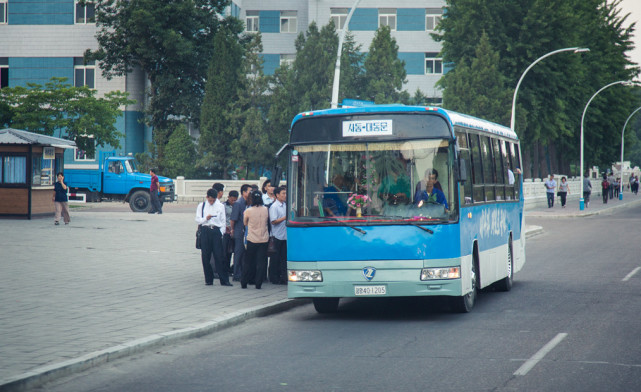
605	184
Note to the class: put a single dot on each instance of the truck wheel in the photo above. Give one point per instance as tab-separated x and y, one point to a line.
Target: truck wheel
140	201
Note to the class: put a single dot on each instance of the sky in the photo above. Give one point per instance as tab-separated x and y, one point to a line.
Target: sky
633	7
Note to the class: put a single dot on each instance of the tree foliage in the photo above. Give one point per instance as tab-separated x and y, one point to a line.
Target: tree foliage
555	91
172	42
384	71
180	154
58	107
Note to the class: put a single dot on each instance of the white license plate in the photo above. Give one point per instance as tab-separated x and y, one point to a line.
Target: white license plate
370	290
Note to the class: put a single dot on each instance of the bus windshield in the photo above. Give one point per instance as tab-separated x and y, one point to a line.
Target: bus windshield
378	182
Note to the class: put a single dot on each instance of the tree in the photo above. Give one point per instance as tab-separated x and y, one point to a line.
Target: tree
172	42
555	91
180	154
384	72
71	111
490	99
224	79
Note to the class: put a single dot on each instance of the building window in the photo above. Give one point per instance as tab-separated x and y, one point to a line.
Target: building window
41	170
433	64
287	59
339	16
432	18
3	11
288	21
387	17
82	152
85	12
84	72
14	170
251	21
4	72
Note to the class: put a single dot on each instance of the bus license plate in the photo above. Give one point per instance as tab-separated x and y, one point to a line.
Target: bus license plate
370	290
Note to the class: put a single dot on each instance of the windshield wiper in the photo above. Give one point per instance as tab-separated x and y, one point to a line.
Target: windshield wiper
345	224
404	219
416	224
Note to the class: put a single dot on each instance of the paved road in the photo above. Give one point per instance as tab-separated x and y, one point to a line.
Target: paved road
111	283
571	323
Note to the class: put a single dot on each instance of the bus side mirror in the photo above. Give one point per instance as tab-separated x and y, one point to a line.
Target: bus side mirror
462	171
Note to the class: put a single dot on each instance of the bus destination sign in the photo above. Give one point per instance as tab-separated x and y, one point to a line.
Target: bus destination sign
367	128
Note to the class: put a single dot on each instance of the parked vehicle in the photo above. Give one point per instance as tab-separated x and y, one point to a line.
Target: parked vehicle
116	178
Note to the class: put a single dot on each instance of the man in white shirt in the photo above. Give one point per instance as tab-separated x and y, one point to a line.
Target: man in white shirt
277	216
210	215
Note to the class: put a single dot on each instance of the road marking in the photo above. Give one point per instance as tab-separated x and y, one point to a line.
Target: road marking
631	274
530	363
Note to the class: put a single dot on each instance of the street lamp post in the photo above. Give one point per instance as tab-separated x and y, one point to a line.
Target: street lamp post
581	200
575	50
337	67
622	141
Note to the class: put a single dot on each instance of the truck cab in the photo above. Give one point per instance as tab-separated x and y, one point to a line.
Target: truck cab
117	178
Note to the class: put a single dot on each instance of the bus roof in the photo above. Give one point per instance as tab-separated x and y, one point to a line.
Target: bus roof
453	118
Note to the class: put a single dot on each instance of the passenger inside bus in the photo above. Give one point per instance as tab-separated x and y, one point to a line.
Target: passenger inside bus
431	194
422	185
333	204
395	185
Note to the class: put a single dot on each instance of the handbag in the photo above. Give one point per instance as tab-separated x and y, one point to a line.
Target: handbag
271	246
202	212
198	237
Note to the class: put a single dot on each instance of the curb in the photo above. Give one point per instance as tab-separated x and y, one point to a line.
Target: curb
533	231
44	374
585	214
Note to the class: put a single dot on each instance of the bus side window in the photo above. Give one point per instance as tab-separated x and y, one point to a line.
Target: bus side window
509	173
516	165
488	168
499	171
478	189
464	151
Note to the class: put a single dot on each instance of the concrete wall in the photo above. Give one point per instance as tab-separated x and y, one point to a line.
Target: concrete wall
534	190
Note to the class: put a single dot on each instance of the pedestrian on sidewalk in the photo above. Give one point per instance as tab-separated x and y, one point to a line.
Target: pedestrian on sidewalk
210	215
156	207
238	229
219	188
228	239
587	190
611	185
60	200
617	185
255	262
277	215
564	189
550	188
605	188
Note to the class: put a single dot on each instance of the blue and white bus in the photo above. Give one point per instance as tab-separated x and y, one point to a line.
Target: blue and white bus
440	213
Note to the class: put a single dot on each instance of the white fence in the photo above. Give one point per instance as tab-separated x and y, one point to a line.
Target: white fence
534	190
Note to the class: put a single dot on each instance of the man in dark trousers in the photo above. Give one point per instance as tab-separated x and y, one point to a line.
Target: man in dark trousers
153	193
210	215
238	229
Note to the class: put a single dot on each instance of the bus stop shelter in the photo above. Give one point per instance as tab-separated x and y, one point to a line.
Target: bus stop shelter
28	166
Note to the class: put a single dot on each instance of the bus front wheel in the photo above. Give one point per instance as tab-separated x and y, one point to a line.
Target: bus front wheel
326	305
465	303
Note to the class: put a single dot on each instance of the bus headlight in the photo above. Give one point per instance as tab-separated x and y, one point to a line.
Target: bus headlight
304	276
440	273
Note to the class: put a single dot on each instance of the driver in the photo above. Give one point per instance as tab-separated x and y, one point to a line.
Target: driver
431	193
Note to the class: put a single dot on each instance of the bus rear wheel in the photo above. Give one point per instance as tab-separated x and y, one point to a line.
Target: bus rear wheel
465	303
326	305
505	284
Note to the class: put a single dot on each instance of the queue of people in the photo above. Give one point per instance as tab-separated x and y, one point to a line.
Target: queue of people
240	230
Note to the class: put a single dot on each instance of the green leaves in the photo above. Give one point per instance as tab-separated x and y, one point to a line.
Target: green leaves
61	110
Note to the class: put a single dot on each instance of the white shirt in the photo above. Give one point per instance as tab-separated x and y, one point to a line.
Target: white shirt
217	212
277	211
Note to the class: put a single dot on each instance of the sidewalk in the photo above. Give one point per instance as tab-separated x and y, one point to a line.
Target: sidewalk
596	207
113	283
109	284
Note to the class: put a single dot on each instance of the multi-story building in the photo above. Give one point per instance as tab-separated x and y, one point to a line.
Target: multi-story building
47	38
411	22
44	39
